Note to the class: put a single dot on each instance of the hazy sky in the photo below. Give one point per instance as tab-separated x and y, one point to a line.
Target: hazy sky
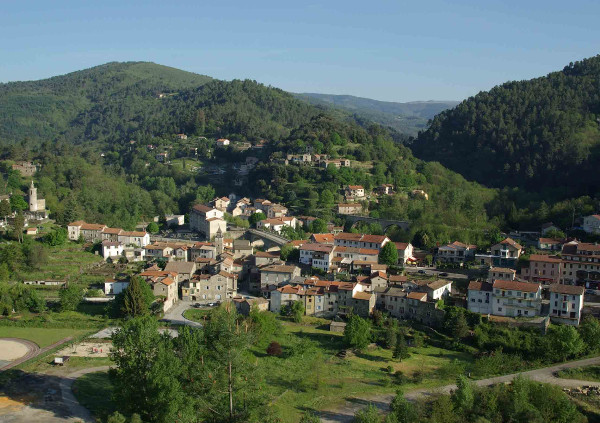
387	50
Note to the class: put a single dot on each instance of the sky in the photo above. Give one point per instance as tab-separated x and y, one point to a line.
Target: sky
386	50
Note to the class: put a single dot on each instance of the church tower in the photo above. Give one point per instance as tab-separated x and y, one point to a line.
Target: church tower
219	242
33	202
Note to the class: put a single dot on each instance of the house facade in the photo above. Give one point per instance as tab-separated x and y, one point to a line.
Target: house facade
516	299
566	303
479	297
207	220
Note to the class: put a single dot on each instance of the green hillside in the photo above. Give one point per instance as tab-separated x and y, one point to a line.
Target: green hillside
68	106
535	134
408	118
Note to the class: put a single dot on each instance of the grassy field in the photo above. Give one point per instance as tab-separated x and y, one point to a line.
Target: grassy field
191	165
310	376
589	373
94	391
196	314
41	336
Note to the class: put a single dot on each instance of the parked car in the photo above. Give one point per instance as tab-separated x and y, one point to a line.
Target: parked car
443	274
590	291
421	271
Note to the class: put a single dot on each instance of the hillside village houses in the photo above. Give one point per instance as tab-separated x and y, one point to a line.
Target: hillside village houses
26	169
349	208
215	269
456	252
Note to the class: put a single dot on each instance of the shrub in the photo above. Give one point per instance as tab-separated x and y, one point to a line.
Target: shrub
274	349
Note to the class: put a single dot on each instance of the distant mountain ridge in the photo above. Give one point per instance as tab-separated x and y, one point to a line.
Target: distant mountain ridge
409	117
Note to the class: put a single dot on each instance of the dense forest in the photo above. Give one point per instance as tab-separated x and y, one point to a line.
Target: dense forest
541	134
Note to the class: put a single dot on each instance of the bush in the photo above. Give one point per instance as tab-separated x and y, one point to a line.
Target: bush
418	376
274	349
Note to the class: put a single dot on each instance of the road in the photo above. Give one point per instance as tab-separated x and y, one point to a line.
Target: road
77	410
175	315
345	414
430	271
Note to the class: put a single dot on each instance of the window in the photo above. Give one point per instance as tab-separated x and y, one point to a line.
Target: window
499	308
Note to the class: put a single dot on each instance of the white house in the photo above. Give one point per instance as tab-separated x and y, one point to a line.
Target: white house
222	142
207	220
479	297
112	250
317	255
137	238
566	303
113	287
516	299
439	289
591	224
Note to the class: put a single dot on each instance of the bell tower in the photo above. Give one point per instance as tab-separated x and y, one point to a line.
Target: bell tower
33	202
219	242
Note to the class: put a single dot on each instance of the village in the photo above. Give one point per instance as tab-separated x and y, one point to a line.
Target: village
339	273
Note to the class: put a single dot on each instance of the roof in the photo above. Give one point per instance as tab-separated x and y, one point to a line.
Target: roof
401	245
503	270
289	289
394	292
544	258
92	226
549	241
266	254
458	244
323	238
323	248
226	274
202	208
398	278
566	289
516	285
107	243
166	281
133	233
279	268
362	296
480	286
421	296
114	231
373	238
348	236
438	284
355	187
180	267
353	205
511	242
76	223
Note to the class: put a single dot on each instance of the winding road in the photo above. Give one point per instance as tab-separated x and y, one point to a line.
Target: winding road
345	413
77	410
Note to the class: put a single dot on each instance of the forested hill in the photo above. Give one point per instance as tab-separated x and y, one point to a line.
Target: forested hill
535	134
67	106
408	118
116	102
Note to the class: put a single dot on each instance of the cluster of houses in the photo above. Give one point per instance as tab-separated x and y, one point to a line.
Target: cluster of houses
349	252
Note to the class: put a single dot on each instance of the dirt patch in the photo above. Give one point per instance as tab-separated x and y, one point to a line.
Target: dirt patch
87	349
12	350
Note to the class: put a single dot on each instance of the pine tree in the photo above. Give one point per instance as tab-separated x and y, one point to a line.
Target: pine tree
136	301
